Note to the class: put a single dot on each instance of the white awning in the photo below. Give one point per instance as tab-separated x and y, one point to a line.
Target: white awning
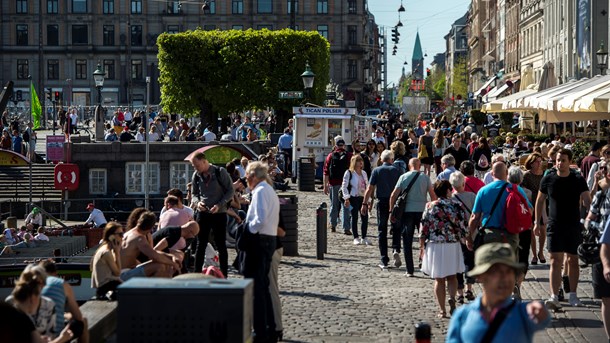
478	92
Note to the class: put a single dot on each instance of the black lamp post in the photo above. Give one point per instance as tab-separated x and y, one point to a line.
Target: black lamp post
308	76
98	77
602	58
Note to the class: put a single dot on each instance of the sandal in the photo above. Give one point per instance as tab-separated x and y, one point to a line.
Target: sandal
541	257
451	306
441	314
534	261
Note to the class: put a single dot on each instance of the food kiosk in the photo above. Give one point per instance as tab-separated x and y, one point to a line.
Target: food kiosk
316	127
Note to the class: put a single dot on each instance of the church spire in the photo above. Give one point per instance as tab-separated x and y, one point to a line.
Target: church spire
417	52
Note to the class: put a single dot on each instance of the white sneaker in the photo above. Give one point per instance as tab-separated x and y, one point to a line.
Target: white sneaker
366	241
357	241
383	267
574	301
396	257
552	303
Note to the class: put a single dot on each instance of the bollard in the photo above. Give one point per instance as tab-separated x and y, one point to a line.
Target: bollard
321	233
423	333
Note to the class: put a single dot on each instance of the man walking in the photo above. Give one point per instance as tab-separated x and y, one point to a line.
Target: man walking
457	150
335	165
566	191
416	203
383	180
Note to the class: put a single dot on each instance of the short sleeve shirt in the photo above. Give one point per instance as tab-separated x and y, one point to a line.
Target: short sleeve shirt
485	199
384	178
564	198
418	194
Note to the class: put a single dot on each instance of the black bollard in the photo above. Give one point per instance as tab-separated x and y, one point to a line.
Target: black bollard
321	214
423	333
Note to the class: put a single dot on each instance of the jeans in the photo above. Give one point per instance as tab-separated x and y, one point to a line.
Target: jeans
410	222
258	265
383	215
217	224
356	203
335	207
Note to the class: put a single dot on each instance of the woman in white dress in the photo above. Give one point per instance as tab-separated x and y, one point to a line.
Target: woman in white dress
443	225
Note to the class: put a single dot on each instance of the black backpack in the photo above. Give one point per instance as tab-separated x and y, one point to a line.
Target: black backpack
339	163
26	136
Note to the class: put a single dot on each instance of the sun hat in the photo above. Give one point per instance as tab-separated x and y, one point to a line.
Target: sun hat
489	254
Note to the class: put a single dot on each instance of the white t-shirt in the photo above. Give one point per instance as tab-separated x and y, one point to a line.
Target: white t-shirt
74	118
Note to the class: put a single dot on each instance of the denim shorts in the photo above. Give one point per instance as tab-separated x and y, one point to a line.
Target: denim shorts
138	271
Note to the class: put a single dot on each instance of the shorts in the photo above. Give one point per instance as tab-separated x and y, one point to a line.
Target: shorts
138	271
601	287
566	242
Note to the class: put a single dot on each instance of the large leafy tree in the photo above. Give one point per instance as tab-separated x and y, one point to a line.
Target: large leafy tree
208	73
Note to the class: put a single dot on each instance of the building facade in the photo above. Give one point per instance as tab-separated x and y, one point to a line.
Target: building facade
59	43
531	29
457	53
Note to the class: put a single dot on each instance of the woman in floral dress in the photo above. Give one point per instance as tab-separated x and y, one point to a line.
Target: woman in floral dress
443	225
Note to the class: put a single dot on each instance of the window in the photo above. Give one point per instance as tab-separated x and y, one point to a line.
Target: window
108	7
352	69
80	34
23	69
323	31
136	35
268	27
352	34
97	181
237	6
109	69
79	6
53	69
211	9
174	7
81	69
136	69
136	6
265	6
52	35
351	7
238	27
322	6
296	6
209	27
134	177
52	6
180	174
173	28
108	39
22	6
22	34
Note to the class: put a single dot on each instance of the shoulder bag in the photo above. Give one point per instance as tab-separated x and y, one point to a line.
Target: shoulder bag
399	207
479	239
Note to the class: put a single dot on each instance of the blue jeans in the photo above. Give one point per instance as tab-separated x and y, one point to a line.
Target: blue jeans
383	215
410	222
335	207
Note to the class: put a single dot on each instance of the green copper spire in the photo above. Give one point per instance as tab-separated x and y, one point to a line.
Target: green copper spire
417	53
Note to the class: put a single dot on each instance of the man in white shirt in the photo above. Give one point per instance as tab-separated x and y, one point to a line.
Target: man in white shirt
128	116
208	134
262	221
74	120
96	217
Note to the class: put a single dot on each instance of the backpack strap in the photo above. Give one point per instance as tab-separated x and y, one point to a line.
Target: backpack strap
493	208
217	173
496	323
460	200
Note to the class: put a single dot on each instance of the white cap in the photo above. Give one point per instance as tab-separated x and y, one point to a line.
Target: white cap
338	138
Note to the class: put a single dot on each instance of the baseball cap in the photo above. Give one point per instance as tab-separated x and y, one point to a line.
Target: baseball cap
489	254
90	206
339	140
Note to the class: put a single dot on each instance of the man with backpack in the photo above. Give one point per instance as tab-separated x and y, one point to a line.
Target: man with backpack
335	165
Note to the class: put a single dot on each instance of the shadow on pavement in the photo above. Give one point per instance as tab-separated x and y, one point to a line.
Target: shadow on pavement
314	295
298	264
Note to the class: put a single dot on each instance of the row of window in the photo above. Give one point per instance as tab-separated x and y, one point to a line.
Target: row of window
81	72
175	7
180	176
80	33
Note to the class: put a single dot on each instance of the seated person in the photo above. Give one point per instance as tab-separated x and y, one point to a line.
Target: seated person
175	239
11	236
28	242
5	248
34	219
96	217
41	237
139	258
173	214
106	263
178	193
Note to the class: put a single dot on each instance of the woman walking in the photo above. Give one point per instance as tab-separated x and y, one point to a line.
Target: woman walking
440	144
443	226
531	181
355	182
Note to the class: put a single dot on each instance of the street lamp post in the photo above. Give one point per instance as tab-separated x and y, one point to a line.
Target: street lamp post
98	77
146	170
308	77
602	58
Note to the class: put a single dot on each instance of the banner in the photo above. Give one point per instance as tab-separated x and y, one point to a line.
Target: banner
36	108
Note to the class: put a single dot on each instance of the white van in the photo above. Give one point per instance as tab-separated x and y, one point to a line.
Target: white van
373	112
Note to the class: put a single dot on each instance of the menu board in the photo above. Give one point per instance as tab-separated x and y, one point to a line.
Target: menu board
313	132
361	131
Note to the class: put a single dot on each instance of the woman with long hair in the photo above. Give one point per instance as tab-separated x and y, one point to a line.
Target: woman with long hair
380	148
439	143
425	144
355	182
106	263
371	152
443	226
531	181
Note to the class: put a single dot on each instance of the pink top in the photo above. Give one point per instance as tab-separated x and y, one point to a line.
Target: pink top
174	217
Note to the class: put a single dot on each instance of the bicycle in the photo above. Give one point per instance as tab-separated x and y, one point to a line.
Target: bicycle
85	127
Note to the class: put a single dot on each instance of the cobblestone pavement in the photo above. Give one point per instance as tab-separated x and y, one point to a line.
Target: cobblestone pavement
347	298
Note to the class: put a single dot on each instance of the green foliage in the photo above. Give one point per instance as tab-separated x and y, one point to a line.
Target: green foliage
459	85
580	150
203	72
439	88
506	118
535	138
478	116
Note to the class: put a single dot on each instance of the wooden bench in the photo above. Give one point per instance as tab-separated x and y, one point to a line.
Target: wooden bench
101	318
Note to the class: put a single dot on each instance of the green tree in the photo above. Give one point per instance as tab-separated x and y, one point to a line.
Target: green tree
208	73
459	84
438	90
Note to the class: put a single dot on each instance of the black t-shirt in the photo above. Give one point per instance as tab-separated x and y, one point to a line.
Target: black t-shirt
15	326
564	198
172	233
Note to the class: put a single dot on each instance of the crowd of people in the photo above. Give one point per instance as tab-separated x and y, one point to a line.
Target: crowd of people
461	213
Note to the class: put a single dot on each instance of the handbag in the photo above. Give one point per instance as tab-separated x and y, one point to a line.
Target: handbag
399	207
422	151
349	188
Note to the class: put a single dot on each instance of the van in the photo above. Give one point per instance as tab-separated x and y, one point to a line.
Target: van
372	112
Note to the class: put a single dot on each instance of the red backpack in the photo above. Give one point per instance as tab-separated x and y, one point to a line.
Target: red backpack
517	212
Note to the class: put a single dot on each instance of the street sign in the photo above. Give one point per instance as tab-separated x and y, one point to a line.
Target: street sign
291	94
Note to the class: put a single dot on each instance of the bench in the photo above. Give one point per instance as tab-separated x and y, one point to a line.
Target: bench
101	318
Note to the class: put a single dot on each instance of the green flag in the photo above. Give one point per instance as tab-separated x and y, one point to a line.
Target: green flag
35	106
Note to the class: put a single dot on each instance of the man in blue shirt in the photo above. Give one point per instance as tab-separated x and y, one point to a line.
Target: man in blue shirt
448	165
284	144
492	224
496	271
383	180
17	142
243	128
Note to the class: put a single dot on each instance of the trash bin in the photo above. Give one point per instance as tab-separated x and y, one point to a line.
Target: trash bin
306	174
11	222
289	210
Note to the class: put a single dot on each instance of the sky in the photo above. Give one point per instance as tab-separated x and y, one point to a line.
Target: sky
433	19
